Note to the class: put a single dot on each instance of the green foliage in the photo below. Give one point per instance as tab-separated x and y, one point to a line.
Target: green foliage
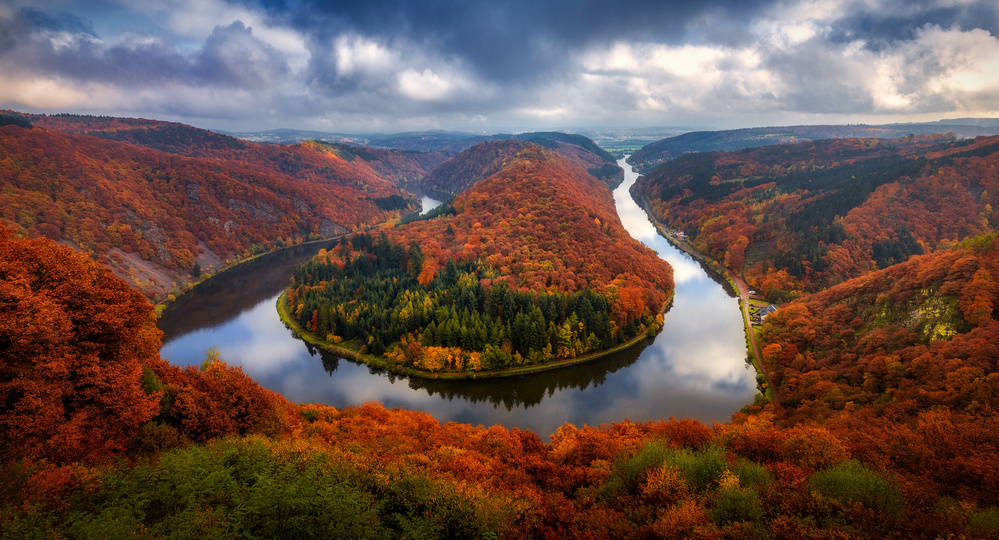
985	522
377	300
392	202
701	469
419	507
630	472
15	120
893	251
230	488
149	382
735	505
254	488
753	474
852	481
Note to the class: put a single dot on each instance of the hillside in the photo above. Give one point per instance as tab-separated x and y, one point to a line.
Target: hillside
501	277
662	151
486	158
153	216
306	159
797	218
137	447
902	363
469	167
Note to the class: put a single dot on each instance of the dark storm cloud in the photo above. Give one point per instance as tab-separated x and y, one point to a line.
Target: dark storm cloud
388	64
231	56
63	22
508	41
881	30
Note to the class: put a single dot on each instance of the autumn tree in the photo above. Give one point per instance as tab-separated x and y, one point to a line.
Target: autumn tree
74	338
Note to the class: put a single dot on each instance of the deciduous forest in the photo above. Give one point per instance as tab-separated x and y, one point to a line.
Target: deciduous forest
531	265
798	218
883	351
154	199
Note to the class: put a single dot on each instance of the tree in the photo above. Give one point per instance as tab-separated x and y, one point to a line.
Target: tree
74	338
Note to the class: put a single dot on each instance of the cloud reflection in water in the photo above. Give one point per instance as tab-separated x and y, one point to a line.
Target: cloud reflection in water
695	368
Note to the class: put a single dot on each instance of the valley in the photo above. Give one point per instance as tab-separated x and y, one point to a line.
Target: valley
644	382
880	254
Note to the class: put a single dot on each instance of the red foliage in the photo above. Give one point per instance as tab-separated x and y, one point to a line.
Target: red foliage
221	400
74	338
742	215
120	201
545	224
901	366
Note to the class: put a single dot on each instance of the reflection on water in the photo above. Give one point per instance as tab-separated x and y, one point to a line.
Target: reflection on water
426	199
229	294
696	367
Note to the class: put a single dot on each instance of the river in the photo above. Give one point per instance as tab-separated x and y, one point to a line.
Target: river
695	368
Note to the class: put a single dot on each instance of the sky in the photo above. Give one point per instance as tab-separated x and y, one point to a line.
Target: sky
404	65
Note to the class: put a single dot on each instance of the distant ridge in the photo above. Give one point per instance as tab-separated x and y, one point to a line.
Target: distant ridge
737	139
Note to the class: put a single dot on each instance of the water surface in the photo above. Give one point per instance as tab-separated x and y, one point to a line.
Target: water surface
696	367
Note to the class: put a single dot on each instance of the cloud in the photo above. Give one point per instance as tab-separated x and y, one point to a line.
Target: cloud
388	64
233	56
426	86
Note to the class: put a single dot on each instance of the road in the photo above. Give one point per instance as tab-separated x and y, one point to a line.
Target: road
743	295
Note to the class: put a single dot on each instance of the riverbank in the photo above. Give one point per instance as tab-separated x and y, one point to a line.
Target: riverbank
383	363
736	283
175	293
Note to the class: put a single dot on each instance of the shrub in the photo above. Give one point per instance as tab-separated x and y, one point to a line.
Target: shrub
852	481
985	522
753	474
735	505
700	469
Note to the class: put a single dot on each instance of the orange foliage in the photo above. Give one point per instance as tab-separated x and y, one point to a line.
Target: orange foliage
551	225
219	200
804	216
220	400
74	340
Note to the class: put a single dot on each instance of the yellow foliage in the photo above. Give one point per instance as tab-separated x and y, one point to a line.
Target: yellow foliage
667	483
441	359
564	441
728	480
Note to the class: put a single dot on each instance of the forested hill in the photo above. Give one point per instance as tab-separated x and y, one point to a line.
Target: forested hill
469	167
597	161
153	216
737	139
538	206
881	434
486	158
904	364
529	265
305	159
804	216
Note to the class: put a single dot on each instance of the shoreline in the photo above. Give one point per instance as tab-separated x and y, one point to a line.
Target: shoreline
740	287
381	363
206	276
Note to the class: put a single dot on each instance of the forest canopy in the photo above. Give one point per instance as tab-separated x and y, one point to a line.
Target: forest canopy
528	265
